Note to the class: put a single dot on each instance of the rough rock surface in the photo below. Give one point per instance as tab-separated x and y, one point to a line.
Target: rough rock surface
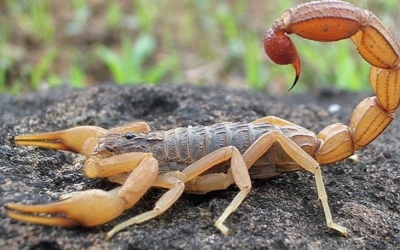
283	213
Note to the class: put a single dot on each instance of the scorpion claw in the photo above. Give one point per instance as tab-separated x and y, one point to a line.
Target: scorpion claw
49	221
74	139
87	208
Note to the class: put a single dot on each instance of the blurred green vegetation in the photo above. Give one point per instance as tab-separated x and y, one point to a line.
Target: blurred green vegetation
82	43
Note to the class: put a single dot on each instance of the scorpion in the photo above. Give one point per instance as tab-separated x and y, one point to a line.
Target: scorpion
201	159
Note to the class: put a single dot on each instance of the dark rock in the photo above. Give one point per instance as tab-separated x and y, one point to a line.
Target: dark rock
283	213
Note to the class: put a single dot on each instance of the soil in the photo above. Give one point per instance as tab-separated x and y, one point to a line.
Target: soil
283	213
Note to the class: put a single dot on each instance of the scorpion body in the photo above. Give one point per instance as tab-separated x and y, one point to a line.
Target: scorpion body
206	158
175	149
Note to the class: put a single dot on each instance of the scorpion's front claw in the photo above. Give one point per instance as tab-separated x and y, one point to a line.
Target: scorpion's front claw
87	208
76	139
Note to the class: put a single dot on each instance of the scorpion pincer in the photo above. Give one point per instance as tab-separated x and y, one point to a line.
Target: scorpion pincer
206	158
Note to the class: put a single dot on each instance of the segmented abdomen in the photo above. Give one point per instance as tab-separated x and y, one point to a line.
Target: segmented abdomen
190	144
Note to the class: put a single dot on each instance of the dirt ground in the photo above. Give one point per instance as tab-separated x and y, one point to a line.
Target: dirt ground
283	213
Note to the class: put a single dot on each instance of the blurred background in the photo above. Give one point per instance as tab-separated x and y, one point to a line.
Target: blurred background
48	43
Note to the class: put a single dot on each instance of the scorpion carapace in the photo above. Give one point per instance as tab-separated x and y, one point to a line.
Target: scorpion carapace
205	158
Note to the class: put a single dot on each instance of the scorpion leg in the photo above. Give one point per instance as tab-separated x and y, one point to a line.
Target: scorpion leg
119	178
257	149
176	181
238	174
171	181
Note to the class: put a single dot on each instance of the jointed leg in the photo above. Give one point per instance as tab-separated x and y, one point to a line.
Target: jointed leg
237	173
118	178
302	158
174	181
176	188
